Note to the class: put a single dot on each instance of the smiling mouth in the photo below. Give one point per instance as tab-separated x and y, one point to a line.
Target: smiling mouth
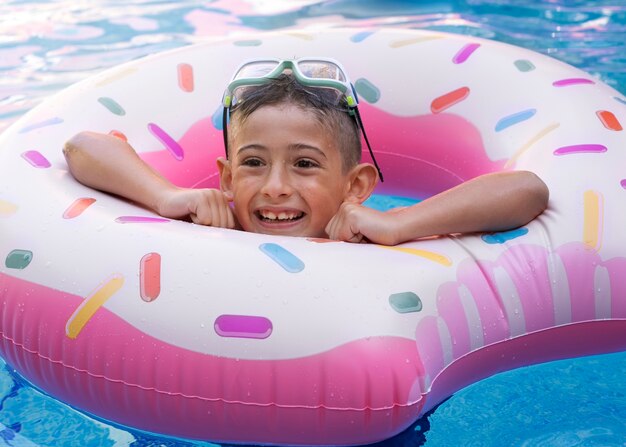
281	217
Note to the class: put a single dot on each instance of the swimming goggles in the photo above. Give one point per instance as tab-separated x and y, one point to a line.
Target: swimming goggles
310	72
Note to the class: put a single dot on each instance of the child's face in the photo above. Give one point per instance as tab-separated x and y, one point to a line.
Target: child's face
285	174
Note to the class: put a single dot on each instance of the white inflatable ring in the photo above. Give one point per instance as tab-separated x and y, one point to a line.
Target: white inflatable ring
222	335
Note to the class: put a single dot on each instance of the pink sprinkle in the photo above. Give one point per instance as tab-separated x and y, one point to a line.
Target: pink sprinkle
580	149
572	81
243	326
465	52
36	159
140	219
623	183
170	144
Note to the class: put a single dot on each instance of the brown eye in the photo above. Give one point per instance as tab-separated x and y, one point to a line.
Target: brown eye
306	163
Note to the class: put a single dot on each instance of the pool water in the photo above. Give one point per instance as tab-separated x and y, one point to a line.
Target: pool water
48	45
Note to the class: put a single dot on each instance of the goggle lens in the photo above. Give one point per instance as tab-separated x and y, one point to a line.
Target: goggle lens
321	70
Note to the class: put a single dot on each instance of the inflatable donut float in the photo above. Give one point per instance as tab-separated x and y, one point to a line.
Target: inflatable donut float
214	334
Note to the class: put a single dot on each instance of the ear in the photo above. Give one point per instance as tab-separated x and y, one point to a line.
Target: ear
226	177
363	179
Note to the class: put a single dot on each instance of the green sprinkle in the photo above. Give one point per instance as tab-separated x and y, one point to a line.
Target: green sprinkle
405	302
524	65
113	106
18	259
248	43
367	90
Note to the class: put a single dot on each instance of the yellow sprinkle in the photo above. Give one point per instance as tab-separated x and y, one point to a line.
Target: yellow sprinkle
115	76
529	143
7	208
431	256
301	36
413	40
592	227
91	304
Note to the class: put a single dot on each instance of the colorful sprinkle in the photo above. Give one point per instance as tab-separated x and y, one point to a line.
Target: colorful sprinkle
112	106
504	236
572	81
48	122
91	304
116	76
618	99
580	149
140	219
542	133
623	183
592	226
303	36
367	90
36	159
185	77
282	257
248	43
515	118
243	326
431	256
216	118
170	144
609	120
18	259
7	208
77	208
118	134
465	52
413	41
361	36
405	302
150	277
449	99
524	65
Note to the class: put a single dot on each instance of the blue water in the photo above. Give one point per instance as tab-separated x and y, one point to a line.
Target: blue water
48	45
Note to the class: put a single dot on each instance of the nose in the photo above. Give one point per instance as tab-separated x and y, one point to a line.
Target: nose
277	182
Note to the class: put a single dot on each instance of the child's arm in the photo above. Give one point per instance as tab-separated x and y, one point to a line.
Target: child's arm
111	165
492	202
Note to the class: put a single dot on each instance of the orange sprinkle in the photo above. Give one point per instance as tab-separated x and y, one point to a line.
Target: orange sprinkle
118	134
449	99
150	277
77	208
609	120
185	77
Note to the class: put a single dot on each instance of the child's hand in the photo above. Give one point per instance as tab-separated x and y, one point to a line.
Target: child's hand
203	206
357	223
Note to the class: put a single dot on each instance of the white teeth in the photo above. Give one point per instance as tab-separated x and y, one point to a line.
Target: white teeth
283	215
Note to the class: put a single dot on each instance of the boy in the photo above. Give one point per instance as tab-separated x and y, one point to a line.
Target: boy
292	168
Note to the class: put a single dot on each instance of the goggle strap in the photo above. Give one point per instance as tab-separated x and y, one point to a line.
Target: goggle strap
367	141
224	134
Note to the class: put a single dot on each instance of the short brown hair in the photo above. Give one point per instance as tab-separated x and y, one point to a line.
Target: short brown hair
322	102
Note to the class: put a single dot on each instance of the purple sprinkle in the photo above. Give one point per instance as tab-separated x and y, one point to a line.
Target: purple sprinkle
243	326
623	183
140	219
572	81
580	149
48	122
465	52
172	145
36	159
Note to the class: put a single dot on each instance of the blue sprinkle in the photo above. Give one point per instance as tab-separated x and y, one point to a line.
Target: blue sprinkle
360	37
48	122
501	238
618	99
518	117
283	257
216	119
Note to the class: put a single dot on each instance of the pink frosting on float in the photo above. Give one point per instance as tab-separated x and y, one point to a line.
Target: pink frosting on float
169	380
424	154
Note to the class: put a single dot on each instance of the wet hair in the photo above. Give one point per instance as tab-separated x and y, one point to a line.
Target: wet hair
321	102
